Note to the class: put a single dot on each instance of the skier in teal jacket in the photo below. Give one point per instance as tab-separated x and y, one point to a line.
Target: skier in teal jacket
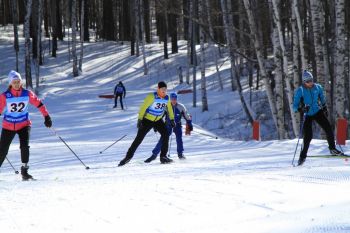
310	100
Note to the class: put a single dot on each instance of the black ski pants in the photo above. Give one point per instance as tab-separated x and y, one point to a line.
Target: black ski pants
321	120
6	139
120	95
147	125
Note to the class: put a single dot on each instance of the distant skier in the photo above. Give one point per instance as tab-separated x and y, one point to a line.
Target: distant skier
309	99
179	112
15	101
119	91
150	116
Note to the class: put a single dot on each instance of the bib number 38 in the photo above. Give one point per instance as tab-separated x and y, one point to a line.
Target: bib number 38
160	106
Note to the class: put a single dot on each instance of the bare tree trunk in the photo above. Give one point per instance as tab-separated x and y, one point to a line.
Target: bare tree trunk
115	18
15	30
189	41
229	34
289	89
53	26
137	26
165	35
145	66
193	50
74	39
38	48
300	34
211	44
27	45
340	59
82	14
99	10
278	84
316	10
296	64
202	60
258	49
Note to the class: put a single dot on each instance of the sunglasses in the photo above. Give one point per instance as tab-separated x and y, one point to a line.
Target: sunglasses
310	81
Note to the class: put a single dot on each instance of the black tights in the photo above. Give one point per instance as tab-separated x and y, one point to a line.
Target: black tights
6	139
147	125
322	120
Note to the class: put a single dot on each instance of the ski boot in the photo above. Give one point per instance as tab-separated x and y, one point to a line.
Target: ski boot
165	160
335	152
302	158
24	173
150	159
124	161
181	156
301	161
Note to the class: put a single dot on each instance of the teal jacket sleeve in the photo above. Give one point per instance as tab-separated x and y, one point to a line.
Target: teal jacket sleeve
297	98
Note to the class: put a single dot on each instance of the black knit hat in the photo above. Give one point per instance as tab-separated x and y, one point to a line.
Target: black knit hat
162	84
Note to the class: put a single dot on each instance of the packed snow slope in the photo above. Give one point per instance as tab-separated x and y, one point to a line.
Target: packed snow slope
222	186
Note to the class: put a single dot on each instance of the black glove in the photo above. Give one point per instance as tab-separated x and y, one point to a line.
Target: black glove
325	110
172	123
304	109
139	124
190	127
48	121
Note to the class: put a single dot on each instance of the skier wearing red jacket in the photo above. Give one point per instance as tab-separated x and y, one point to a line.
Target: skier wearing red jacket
14	106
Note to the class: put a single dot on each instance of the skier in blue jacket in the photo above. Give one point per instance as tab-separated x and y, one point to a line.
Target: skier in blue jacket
119	91
310	100
179	112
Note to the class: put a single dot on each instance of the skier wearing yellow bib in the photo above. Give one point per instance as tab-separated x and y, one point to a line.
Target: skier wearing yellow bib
150	116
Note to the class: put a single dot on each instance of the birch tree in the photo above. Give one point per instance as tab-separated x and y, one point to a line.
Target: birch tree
137	25
340	59
143	36
193	50
189	42
38	46
82	14
316	10
202	60
228	26
15	30
211	44
296	55
27	44
258	50
74	39
277	18
277	52
300	34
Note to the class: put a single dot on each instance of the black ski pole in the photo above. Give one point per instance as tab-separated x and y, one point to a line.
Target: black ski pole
12	165
54	131
300	133
113	144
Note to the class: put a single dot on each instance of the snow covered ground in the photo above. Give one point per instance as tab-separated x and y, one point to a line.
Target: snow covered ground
222	186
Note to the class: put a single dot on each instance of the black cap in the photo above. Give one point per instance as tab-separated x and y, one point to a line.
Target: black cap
162	84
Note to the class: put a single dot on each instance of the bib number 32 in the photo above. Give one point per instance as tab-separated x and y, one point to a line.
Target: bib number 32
17	107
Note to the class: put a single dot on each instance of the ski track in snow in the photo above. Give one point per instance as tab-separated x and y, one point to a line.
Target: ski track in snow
222	186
